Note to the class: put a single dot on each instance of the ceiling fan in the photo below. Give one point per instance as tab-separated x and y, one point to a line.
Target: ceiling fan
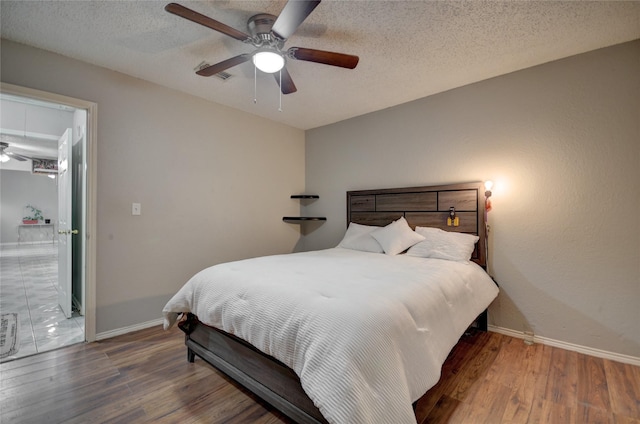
268	34
10	155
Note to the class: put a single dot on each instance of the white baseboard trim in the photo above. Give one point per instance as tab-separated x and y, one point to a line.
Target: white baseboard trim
598	353
129	329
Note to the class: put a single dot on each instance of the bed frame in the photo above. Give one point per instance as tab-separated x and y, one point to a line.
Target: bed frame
278	384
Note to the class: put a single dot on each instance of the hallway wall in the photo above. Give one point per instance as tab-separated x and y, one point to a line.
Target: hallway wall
18	189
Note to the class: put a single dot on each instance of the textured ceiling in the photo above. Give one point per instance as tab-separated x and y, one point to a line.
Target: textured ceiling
407	49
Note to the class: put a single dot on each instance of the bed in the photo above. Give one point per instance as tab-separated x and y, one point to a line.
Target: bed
344	335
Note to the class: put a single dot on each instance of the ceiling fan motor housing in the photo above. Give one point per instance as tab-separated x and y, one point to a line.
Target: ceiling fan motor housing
260	28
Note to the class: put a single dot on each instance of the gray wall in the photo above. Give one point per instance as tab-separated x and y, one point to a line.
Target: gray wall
562	143
213	182
18	189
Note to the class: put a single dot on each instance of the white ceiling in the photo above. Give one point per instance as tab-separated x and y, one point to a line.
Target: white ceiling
31	129
407	49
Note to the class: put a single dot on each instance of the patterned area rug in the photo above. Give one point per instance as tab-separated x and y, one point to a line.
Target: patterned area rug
9	343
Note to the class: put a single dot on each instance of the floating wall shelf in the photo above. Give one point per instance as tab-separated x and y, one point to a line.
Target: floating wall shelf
301	219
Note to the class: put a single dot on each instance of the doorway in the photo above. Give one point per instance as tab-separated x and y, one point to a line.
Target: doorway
81	211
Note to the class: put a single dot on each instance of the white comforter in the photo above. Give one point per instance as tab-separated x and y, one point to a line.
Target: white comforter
367	333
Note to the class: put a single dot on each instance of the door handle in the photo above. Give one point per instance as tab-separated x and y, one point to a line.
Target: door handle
67	231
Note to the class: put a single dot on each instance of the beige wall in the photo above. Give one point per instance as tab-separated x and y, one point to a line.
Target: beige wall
562	143
213	182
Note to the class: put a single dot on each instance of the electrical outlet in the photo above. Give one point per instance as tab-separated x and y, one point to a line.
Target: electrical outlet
136	209
528	337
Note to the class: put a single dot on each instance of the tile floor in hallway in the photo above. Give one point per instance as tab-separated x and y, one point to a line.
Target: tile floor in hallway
28	274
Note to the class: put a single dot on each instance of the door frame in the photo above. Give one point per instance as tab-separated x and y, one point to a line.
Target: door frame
91	175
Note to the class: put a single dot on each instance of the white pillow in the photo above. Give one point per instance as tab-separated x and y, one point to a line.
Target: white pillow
358	237
442	244
396	237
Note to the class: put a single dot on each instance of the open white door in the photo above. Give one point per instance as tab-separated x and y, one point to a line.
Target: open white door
65	232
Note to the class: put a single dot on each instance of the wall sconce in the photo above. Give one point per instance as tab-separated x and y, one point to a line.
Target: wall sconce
488	185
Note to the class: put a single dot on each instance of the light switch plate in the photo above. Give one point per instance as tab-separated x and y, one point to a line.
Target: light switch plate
136	209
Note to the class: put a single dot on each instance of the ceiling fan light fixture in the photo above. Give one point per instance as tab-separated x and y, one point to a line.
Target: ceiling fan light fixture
4	157
268	60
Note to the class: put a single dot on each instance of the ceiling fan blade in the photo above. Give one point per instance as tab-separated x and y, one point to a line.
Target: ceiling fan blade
3	147
201	19
224	65
287	86
16	156
321	56
293	14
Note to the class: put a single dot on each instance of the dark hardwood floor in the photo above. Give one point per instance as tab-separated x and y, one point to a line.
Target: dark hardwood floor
144	377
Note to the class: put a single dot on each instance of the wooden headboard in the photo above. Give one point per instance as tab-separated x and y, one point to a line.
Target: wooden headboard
424	207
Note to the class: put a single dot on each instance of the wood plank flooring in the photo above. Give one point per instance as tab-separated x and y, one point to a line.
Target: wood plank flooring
144	377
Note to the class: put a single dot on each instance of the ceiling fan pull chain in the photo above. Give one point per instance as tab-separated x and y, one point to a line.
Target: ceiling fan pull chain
255	84
280	92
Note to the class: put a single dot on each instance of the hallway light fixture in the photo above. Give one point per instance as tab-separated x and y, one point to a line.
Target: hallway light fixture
3	156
